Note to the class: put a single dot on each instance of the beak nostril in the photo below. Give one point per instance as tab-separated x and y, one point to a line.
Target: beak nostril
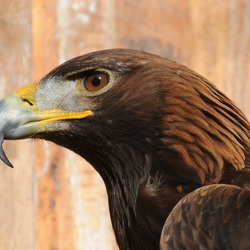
27	101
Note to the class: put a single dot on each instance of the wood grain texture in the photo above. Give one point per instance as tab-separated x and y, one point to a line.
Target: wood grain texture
17	220
66	186
55	200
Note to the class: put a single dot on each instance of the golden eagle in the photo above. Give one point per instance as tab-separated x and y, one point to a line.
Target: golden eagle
155	131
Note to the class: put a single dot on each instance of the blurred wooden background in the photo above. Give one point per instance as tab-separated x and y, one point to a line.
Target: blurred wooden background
52	200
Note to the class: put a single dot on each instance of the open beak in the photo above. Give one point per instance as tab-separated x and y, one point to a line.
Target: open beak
20	117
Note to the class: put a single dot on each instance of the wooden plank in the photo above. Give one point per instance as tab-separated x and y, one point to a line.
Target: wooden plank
71	197
16	185
54	227
160	28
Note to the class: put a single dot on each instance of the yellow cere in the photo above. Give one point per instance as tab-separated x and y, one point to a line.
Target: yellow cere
27	95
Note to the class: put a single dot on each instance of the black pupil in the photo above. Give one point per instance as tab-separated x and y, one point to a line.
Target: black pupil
96	81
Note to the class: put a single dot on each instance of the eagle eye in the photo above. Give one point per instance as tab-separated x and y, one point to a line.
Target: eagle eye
95	81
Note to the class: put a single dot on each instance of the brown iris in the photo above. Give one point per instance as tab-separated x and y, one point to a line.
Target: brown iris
96	81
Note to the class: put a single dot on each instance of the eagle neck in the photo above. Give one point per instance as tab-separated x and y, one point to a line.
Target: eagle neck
122	177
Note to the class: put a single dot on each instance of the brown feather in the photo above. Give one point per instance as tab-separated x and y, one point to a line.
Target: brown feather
212	217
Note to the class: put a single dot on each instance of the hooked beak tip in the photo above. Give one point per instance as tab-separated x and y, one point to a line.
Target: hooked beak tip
3	156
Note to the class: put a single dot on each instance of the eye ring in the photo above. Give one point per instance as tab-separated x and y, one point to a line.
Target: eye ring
95	81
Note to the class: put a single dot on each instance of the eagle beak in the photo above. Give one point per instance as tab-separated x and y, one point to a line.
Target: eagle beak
20	117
